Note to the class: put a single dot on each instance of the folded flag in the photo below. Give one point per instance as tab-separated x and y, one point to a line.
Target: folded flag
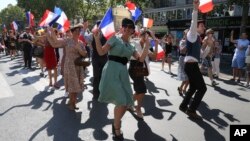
30	19
14	26
135	12
206	6
147	22
49	18
107	24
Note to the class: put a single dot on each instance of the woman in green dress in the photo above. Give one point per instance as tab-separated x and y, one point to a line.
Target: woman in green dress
115	85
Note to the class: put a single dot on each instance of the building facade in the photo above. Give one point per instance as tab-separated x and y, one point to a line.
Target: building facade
174	16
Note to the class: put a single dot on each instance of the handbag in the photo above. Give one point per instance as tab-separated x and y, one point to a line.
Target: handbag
80	61
137	69
37	51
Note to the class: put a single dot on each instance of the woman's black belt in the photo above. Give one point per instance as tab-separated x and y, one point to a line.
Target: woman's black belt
182	54
122	60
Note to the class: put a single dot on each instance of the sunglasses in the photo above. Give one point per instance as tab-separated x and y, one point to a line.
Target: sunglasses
129	26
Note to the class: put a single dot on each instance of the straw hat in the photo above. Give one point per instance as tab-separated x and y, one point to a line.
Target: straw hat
210	30
79	25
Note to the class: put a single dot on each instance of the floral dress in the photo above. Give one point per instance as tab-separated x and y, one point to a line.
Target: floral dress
115	84
73	75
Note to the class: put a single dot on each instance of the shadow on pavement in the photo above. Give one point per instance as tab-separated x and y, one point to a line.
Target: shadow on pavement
36	103
152	89
145	133
210	133
64	125
151	109
98	119
212	116
230	94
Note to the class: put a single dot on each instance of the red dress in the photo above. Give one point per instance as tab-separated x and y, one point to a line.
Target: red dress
50	56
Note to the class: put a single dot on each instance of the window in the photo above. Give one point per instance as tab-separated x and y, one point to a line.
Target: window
189	1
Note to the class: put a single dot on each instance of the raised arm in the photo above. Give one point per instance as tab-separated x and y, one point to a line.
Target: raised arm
100	49
141	57
51	37
192	33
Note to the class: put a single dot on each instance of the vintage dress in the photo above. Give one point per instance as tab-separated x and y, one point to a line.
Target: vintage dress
115	84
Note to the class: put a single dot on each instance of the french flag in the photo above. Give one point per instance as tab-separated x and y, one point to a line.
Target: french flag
14	26
30	19
107	24
49	18
206	6
160	52
147	22
63	22
136	12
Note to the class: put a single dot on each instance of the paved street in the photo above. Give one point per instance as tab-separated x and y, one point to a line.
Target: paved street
31	111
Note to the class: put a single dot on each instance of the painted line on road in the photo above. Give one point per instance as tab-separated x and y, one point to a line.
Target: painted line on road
5	90
33	77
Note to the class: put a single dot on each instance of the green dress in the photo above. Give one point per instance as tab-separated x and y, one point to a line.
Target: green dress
115	84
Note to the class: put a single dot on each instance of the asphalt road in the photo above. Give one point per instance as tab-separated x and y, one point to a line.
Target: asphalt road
32	111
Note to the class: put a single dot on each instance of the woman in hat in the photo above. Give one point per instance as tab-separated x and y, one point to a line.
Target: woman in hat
208	43
73	74
115	85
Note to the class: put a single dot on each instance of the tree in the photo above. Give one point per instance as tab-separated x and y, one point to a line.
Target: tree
10	14
245	9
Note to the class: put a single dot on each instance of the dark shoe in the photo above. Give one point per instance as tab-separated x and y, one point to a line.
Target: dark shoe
214	83
183	109
118	137
193	115
56	86
179	90
238	80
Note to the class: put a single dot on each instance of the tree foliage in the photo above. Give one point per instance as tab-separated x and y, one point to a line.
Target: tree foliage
72	8
10	14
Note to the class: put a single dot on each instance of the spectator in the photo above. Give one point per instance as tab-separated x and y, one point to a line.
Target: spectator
238	61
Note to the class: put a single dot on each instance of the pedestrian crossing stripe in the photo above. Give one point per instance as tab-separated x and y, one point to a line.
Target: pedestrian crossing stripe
5	88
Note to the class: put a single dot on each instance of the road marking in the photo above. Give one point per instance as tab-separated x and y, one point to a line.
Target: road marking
5	90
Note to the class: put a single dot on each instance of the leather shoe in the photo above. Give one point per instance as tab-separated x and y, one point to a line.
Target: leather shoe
193	115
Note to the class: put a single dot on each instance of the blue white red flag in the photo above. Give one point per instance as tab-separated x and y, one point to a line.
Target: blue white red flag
30	19
136	12
107	24
48	19
14	26
160	52
63	22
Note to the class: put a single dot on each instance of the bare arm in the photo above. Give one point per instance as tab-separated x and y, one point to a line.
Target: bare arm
141	57
51	37
101	49
79	48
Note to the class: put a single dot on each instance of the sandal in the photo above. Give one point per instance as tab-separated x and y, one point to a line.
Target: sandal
139	114
56	86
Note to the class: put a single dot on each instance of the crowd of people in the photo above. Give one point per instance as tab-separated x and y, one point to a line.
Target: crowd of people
111	84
